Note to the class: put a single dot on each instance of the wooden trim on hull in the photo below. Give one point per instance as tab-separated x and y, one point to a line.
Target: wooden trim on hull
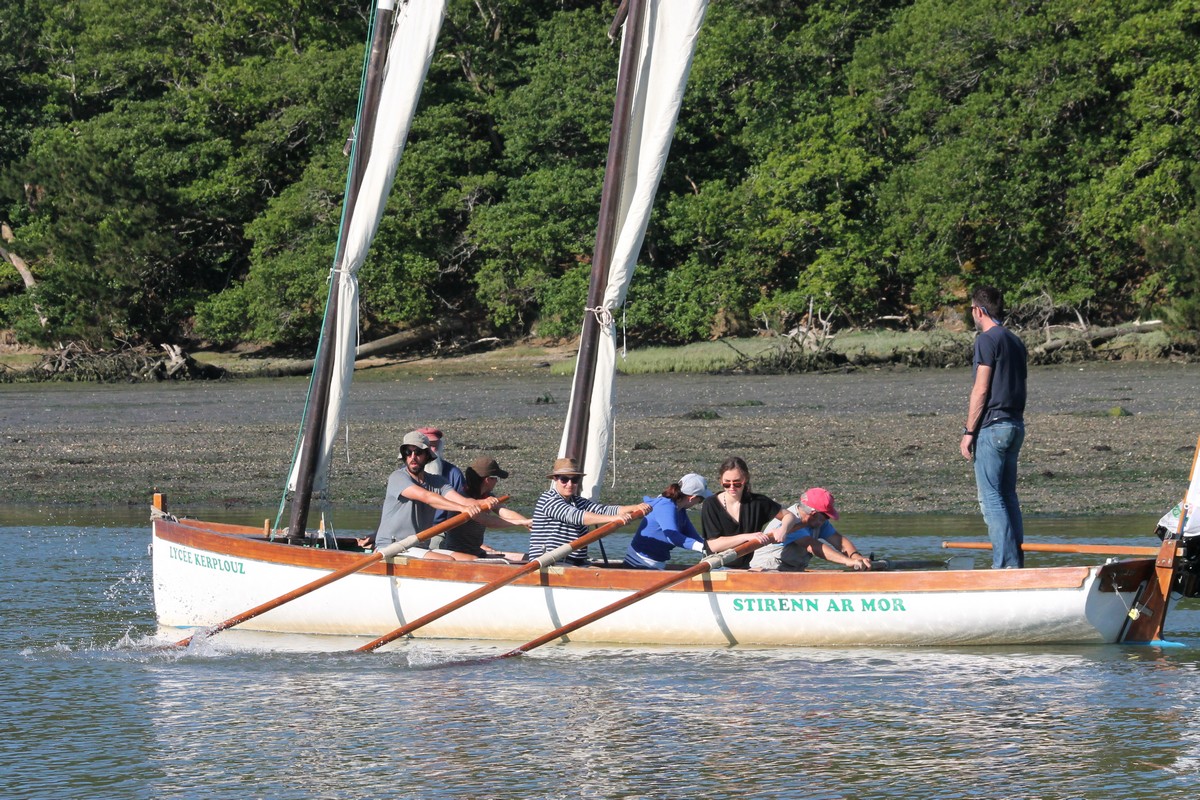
202	576
248	543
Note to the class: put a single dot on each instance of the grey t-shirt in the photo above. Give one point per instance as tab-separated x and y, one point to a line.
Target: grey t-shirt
402	517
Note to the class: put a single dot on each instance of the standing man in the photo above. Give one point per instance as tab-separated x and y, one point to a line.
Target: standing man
995	426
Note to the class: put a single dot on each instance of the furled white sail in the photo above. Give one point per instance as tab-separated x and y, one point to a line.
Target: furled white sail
664	62
1191	525
415	33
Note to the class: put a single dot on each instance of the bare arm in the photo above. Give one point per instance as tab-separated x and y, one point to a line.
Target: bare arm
504	518
840	550
729	542
787	523
979	393
624	514
451	501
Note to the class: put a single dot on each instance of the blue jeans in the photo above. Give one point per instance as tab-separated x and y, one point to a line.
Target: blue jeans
996	451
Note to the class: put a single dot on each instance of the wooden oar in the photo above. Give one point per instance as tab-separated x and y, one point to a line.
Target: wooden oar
1089	549
705	564
385	552
544	560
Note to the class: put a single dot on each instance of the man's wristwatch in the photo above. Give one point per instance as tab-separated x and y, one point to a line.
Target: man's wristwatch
966	432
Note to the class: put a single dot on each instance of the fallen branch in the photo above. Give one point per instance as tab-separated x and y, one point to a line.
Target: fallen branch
1095	336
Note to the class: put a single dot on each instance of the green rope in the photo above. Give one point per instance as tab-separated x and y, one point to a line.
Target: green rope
321	343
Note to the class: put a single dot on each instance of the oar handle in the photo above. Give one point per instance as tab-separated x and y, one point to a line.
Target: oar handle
325	580
541	562
392	549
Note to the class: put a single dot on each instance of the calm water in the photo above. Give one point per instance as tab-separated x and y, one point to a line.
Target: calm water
90	711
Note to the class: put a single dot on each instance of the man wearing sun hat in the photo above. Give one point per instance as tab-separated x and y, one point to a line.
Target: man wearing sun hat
562	515
413	495
812	534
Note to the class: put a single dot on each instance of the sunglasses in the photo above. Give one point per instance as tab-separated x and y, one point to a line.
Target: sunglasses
565	479
733	484
411	451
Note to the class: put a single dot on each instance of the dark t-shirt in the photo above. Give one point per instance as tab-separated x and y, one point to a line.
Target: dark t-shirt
757	510
1001	349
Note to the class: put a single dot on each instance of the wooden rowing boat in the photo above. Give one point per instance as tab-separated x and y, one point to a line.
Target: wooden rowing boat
205	572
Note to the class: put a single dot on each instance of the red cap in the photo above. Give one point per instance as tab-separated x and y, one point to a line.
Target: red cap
431	432
819	500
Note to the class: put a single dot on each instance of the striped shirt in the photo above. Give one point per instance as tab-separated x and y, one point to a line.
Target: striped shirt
558	520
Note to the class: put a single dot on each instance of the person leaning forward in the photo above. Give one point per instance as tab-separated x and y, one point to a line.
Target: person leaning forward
561	515
812	534
667	526
413	496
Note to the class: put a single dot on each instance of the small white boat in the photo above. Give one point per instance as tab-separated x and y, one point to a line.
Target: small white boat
207	572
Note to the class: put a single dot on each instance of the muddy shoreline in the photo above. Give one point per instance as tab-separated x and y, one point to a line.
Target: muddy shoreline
1103	438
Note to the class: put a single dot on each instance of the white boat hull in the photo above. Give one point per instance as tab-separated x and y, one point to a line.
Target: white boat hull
204	574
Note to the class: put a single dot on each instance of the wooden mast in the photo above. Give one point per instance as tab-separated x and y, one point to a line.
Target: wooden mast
610	198
318	399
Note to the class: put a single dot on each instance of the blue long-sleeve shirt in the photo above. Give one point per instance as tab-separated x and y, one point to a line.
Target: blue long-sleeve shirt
666	527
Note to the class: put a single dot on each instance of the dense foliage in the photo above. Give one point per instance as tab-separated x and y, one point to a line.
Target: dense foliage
174	170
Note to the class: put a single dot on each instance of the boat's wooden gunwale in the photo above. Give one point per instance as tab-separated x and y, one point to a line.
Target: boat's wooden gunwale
248	543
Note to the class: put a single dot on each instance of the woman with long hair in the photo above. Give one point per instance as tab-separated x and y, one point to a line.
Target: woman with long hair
736	509
667	526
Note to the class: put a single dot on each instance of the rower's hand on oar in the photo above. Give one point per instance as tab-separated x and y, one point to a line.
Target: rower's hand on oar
860	563
365	541
475	509
629	516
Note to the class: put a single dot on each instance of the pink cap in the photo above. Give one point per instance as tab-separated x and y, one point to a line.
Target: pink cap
431	433
819	500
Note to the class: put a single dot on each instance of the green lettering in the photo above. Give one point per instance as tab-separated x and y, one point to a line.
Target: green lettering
770	601
737	604
847	605
898	604
797	604
884	604
833	606
869	605
811	605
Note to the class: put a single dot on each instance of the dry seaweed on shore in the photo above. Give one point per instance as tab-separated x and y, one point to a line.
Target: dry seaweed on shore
79	362
802	352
